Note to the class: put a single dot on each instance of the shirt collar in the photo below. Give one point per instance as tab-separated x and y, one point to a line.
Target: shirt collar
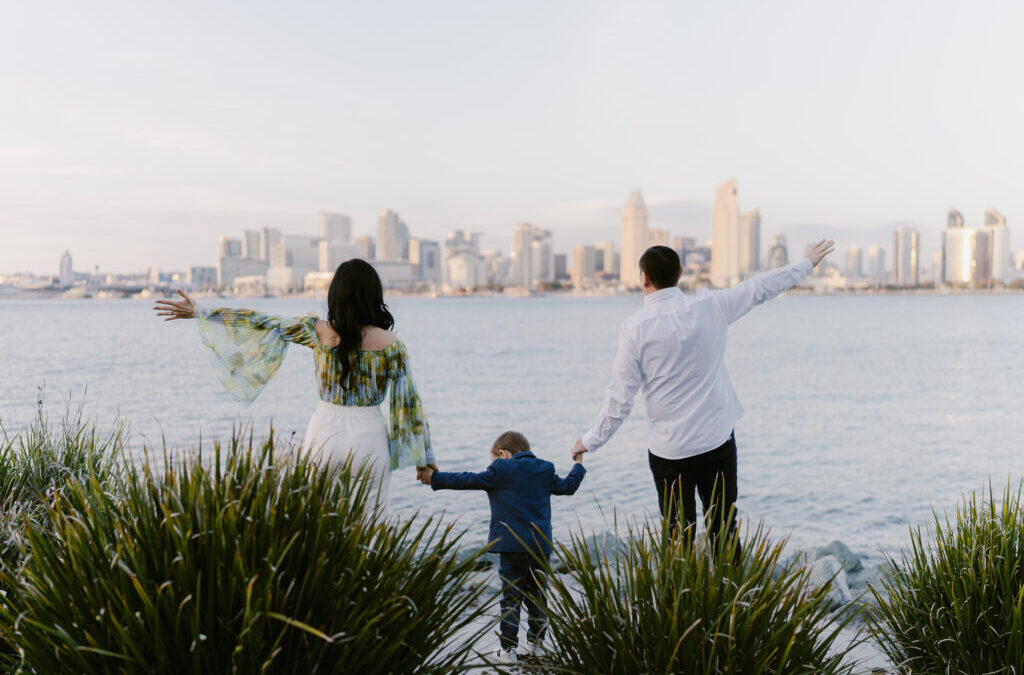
524	453
662	295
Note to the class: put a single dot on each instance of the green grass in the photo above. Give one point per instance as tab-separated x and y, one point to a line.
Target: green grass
248	563
37	462
955	600
666	606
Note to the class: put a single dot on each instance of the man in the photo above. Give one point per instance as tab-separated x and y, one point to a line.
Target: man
675	348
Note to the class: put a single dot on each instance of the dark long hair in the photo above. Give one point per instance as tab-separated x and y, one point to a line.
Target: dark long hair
355	300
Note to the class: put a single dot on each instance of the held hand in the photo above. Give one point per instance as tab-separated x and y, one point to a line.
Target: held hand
424	473
820	250
176	309
577	451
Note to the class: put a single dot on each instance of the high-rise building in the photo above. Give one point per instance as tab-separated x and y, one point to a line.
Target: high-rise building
522	251
229	269
425	258
335	227
543	256
981	259
269	239
605	258
778	254
957	267
634	239
66	272
392	236
749	243
876	265
251	244
954	218
561	267
333	253
725	225
230	247
201	278
584	265
367	248
466	270
906	256
854	262
657	237
999	247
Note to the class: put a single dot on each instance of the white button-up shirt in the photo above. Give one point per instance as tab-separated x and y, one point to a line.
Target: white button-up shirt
675	348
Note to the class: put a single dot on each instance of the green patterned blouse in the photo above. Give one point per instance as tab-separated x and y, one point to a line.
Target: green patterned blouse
250	346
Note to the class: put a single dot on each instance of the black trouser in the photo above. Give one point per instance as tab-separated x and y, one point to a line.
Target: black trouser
522	579
712	474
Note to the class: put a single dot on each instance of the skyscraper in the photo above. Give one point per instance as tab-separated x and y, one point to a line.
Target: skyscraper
67	273
269	239
981	258
335	227
367	247
999	246
392	237
954	218
605	258
230	247
854	260
522	249
906	256
425	257
778	254
543	256
583	264
876	264
634	239
725	225
251	245
749	243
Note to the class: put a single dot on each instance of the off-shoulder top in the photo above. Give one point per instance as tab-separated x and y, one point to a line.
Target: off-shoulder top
249	348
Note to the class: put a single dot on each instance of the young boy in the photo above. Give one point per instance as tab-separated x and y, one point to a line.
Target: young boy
519	487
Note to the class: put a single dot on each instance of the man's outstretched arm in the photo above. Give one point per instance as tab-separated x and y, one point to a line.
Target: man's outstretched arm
618	401
743	297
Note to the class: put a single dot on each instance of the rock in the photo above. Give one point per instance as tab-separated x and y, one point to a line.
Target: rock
850	561
821	571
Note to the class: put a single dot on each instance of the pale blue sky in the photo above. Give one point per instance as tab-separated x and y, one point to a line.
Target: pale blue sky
134	133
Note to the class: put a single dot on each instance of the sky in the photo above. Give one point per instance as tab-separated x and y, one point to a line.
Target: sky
135	134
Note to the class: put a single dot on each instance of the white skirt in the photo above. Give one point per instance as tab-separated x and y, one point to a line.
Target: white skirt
338	432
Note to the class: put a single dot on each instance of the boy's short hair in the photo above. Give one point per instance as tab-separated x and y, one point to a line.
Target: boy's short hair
661	265
512	441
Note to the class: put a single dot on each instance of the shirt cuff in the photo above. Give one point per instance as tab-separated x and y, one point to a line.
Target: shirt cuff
806	266
590	441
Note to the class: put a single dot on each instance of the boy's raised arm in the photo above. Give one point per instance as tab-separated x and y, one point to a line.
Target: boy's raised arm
571	482
463	480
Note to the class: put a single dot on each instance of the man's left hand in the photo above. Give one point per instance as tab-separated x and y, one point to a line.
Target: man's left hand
577	450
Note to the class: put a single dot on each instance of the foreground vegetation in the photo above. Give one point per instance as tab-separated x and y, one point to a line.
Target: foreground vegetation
665	604
246	563
955	601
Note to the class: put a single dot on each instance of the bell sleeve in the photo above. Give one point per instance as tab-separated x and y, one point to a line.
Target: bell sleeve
248	347
409	434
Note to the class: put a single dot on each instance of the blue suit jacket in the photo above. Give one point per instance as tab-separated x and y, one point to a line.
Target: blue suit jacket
519	490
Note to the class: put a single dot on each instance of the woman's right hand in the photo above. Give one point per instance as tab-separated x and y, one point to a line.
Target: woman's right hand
176	309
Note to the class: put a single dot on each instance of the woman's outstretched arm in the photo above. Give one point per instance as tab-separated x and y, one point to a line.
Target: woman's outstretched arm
248	346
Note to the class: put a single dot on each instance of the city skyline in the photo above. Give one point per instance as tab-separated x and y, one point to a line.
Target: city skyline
129	149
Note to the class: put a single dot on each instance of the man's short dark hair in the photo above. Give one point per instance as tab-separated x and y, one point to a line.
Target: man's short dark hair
512	441
661	265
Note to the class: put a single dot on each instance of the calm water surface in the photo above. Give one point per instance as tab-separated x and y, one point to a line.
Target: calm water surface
862	413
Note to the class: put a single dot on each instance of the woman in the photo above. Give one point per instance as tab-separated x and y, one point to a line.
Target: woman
357	357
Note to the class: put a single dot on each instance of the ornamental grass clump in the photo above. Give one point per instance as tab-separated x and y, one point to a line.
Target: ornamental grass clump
259	561
954	602
37	462
667	605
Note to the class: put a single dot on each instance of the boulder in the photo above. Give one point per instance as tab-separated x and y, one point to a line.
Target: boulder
826	569
850	561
